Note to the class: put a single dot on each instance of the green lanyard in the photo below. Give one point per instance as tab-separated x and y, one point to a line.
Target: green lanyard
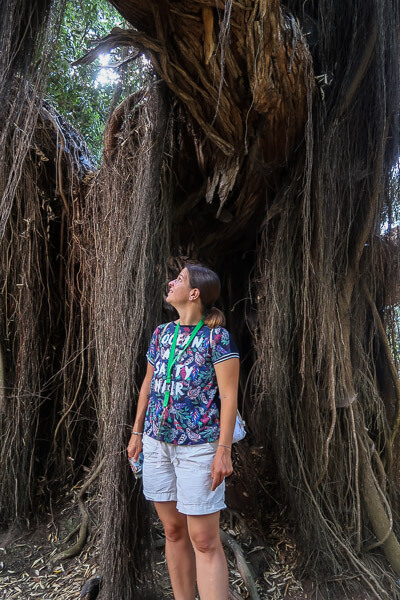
172	359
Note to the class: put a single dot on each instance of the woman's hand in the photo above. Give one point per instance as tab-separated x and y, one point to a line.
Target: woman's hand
135	447
221	466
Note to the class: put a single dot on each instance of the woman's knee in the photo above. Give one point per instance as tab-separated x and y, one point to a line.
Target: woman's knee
205	542
175	531
204	533
174	523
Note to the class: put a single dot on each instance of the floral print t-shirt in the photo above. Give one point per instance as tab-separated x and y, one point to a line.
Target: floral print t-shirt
192	415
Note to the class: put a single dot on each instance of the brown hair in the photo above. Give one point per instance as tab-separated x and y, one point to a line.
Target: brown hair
209	286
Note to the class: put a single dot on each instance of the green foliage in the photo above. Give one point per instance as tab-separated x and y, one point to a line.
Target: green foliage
76	92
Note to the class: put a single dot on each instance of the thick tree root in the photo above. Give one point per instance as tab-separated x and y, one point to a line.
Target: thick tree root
380	521
71	534
84	527
243	568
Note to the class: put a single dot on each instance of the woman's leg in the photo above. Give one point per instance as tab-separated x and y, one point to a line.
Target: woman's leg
211	567
178	551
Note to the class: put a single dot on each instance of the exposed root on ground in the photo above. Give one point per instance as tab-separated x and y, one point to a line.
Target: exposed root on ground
84	526
243	568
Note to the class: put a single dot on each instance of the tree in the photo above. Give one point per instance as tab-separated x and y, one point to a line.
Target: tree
268	150
295	177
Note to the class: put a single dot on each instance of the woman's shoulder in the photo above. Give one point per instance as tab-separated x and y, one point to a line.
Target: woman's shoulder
163	327
219	335
223	343
219	330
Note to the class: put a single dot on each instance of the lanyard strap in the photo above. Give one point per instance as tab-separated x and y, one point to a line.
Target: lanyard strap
172	359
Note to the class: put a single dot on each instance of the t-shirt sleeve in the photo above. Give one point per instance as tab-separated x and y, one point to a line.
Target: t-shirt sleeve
222	346
153	348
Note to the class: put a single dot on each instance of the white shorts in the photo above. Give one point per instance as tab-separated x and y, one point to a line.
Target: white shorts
181	474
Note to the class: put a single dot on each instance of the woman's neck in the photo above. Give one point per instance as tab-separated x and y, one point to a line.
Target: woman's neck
190	315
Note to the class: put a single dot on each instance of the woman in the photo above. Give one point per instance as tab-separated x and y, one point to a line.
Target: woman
185	418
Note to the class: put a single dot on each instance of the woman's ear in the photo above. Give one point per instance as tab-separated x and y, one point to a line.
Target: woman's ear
194	294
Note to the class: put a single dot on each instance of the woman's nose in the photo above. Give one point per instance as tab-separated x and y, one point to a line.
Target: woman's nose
171	283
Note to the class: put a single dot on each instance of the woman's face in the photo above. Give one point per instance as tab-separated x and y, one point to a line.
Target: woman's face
179	289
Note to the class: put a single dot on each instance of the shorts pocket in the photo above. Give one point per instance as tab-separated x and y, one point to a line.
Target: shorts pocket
150	446
200	456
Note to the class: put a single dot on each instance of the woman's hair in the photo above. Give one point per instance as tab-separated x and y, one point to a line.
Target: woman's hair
209	286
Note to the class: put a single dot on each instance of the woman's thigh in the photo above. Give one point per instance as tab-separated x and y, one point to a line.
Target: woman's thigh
194	481
159	482
182	475
174	522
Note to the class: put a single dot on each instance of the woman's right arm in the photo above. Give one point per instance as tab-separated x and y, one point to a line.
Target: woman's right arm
135	443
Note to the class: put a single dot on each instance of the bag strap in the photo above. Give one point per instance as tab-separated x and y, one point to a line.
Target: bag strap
218	400
163	331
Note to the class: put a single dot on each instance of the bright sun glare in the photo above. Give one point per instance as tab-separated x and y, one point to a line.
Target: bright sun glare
106	75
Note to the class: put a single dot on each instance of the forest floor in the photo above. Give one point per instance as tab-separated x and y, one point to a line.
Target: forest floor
27	571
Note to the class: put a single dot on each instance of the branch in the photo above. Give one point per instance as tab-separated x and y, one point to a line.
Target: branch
121	63
243	568
118	37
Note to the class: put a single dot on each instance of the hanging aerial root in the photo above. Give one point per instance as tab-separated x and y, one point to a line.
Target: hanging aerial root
363	66
389	357
127	212
60	153
371	581
331	395
208	21
116	120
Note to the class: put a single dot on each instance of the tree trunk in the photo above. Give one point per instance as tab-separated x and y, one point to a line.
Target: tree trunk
272	173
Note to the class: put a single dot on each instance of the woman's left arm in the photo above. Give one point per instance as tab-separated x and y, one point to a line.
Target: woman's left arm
228	380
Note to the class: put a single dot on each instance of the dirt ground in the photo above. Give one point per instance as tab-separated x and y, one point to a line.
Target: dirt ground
27	571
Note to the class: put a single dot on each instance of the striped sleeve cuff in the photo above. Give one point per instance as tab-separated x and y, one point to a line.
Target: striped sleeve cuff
226	357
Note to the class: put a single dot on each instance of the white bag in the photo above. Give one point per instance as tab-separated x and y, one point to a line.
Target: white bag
240	431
